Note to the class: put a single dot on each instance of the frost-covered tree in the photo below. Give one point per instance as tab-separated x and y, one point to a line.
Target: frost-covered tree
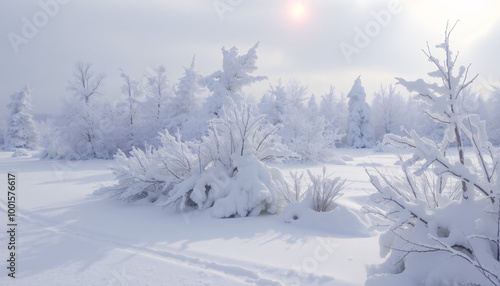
296	94
78	130
226	84
272	103
334	111
493	117
159	91
388	112
359	128
20	131
442	215
152	109
309	130
184	108
132	91
316	146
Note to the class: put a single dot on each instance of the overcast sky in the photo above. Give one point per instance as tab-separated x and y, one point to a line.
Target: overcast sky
320	43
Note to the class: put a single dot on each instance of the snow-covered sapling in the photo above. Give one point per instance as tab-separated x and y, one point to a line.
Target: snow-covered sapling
442	214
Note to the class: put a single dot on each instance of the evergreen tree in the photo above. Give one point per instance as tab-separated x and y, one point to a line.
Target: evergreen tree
359	128
20	131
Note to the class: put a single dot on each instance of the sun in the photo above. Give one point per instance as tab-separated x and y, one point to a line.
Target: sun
298	11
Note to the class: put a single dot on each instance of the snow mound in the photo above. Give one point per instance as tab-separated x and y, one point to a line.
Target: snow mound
341	220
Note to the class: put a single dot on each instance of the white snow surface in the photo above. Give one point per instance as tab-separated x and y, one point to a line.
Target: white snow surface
66	235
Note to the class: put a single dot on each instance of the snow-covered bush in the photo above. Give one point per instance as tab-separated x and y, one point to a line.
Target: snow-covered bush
289	193
442	213
319	194
324	190
20	131
226	171
151	173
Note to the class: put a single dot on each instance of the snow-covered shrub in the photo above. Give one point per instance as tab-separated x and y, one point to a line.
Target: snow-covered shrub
442	229
324	190
294	192
318	195
225	171
234	180
151	173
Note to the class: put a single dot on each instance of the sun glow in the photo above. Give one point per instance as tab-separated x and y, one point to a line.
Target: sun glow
298	11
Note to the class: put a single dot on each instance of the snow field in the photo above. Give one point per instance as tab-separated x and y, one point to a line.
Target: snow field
68	236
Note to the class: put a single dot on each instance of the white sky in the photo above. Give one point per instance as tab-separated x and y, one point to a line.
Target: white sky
135	35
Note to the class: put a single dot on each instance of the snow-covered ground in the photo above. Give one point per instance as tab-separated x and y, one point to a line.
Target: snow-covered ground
66	235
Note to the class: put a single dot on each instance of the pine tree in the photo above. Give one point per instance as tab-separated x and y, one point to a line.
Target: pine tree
359	128
20	131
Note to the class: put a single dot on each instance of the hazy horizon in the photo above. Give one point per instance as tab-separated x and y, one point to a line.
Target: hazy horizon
319	43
